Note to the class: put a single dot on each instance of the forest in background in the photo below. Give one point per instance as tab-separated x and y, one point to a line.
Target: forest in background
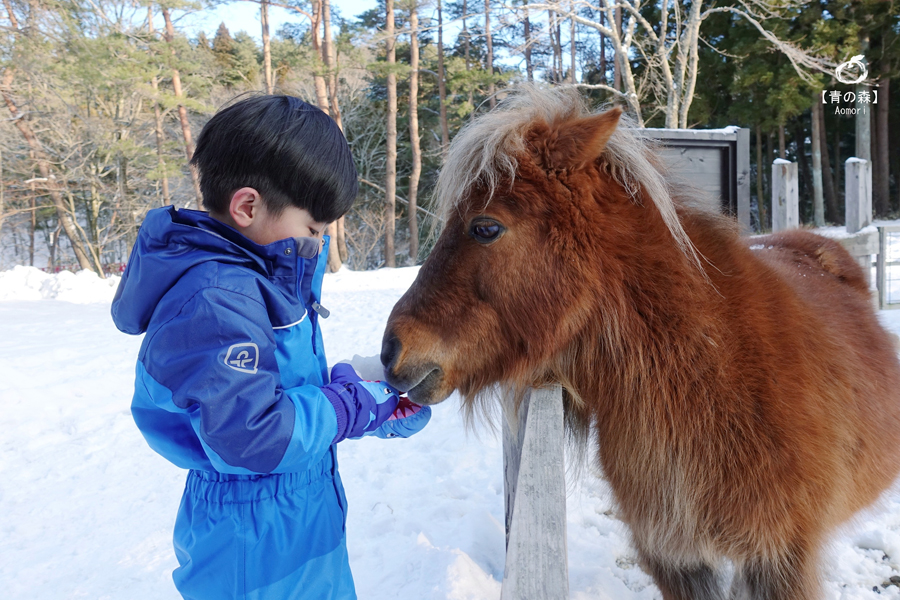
102	100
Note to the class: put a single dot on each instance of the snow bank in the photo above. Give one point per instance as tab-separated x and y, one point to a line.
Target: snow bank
84	287
87	508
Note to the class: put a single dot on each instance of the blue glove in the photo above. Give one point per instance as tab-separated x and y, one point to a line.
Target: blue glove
408	418
361	406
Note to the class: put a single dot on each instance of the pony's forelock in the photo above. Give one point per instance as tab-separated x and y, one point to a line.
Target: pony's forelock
483	154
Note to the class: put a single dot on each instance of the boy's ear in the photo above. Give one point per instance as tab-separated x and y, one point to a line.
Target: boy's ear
244	207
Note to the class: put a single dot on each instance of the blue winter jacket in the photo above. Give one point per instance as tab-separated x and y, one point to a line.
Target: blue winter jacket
229	374
228	385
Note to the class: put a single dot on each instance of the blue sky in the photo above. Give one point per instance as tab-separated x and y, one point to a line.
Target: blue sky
244	16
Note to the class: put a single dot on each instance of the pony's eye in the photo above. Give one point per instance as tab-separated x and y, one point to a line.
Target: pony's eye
486	231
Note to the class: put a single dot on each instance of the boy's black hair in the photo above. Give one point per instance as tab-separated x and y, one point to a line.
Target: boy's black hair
289	151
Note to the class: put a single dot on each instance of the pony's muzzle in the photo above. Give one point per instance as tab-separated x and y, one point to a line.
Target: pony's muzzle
419	379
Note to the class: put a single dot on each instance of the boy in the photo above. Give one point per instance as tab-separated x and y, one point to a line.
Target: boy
231	377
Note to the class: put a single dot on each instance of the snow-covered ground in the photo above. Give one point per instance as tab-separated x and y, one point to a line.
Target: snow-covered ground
87	509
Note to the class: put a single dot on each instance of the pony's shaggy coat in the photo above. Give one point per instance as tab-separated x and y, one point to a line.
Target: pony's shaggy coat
743	404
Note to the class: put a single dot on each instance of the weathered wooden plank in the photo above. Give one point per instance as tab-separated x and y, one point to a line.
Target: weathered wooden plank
858	204
535	485
857	194
714	161
785	196
881	269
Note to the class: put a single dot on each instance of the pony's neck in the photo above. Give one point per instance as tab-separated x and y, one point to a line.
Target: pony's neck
661	329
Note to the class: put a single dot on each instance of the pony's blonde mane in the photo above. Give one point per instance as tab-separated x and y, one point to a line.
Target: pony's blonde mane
484	153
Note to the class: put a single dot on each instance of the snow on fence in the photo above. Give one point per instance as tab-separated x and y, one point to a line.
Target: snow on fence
535	490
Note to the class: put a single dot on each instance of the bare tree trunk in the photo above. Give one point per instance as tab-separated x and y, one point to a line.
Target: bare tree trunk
692	64
442	84
338	253
782	153
182	111
158	122
329	55
617	60
490	53
831	210
31	230
318	77
551	32
603	78
882	178
391	178
160	139
555	45
529	65
572	48
838	167
465	35
414	132
267	47
54	244
466	51
818	195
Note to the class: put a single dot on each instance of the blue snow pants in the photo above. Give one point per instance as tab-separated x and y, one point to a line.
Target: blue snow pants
264	537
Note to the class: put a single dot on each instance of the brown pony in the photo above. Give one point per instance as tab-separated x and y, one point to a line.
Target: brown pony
743	398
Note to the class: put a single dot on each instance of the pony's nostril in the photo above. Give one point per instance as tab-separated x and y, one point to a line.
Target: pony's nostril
390	348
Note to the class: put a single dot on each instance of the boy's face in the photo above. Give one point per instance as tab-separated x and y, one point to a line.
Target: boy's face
250	215
293	222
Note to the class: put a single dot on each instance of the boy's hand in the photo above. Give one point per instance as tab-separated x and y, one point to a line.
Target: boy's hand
361	406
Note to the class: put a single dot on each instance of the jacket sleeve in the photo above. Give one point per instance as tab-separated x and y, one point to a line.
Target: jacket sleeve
217	358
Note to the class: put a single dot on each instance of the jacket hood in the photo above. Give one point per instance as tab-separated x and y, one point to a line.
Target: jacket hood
171	242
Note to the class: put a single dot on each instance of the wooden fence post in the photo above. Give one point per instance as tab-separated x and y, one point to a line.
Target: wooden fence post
857	194
535	486
858	204
785	195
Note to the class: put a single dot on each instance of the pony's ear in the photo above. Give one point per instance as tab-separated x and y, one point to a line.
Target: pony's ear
576	142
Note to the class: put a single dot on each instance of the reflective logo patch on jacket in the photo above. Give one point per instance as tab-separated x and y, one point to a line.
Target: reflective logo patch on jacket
243	357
